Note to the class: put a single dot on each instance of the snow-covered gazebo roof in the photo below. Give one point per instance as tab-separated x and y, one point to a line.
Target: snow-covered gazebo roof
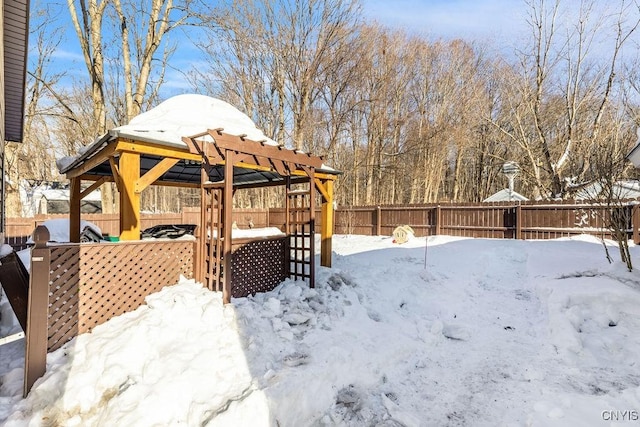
164	128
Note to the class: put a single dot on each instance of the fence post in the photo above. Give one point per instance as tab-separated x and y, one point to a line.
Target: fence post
635	223
268	218
35	360
378	221
438	219
519	222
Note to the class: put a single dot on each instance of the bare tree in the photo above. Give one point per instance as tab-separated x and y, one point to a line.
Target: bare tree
32	161
140	28
277	58
564	89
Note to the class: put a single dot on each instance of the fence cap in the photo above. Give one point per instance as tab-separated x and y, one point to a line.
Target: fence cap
41	235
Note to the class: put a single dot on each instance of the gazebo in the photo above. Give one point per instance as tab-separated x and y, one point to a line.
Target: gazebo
201	142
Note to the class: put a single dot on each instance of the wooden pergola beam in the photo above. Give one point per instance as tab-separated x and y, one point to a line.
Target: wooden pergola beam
158	183
247	146
259	168
322	189
241	145
91	177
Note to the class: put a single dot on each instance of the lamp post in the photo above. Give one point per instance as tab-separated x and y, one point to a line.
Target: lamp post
511	170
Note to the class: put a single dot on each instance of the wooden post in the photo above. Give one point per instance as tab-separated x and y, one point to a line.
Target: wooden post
635	224
378	221
227	206
197	273
287	226
326	233
129	199
35	361
519	222
438	220
204	231
74	210
312	229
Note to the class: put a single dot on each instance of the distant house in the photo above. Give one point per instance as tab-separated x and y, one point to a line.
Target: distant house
53	198
57	202
15	31
506	195
623	189
634	154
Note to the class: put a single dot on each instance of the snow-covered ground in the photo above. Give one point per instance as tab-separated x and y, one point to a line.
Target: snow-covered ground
484	333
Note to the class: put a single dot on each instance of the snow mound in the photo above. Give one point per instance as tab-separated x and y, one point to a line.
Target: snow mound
478	332
59	229
190	114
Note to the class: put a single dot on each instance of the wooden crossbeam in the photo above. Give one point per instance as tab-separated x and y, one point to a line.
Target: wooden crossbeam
115	171
322	189
153	174
93	186
139	147
94	161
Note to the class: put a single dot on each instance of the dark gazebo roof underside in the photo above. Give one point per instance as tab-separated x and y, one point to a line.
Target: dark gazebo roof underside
188	172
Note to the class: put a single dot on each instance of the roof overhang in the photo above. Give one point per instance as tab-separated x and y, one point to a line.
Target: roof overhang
16	36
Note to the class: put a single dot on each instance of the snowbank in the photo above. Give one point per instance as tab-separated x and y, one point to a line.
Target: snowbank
460	332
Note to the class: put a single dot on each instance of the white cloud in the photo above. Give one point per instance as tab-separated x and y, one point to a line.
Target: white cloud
67	55
493	20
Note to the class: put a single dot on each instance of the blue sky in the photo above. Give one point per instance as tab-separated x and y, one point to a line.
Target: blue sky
497	21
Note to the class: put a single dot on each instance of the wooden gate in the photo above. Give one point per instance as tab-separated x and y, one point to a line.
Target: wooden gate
300	217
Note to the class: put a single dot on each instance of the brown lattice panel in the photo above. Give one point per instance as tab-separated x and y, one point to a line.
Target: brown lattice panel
257	265
91	283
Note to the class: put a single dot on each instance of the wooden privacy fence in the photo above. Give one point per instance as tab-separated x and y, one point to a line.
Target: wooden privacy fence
528	220
502	221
